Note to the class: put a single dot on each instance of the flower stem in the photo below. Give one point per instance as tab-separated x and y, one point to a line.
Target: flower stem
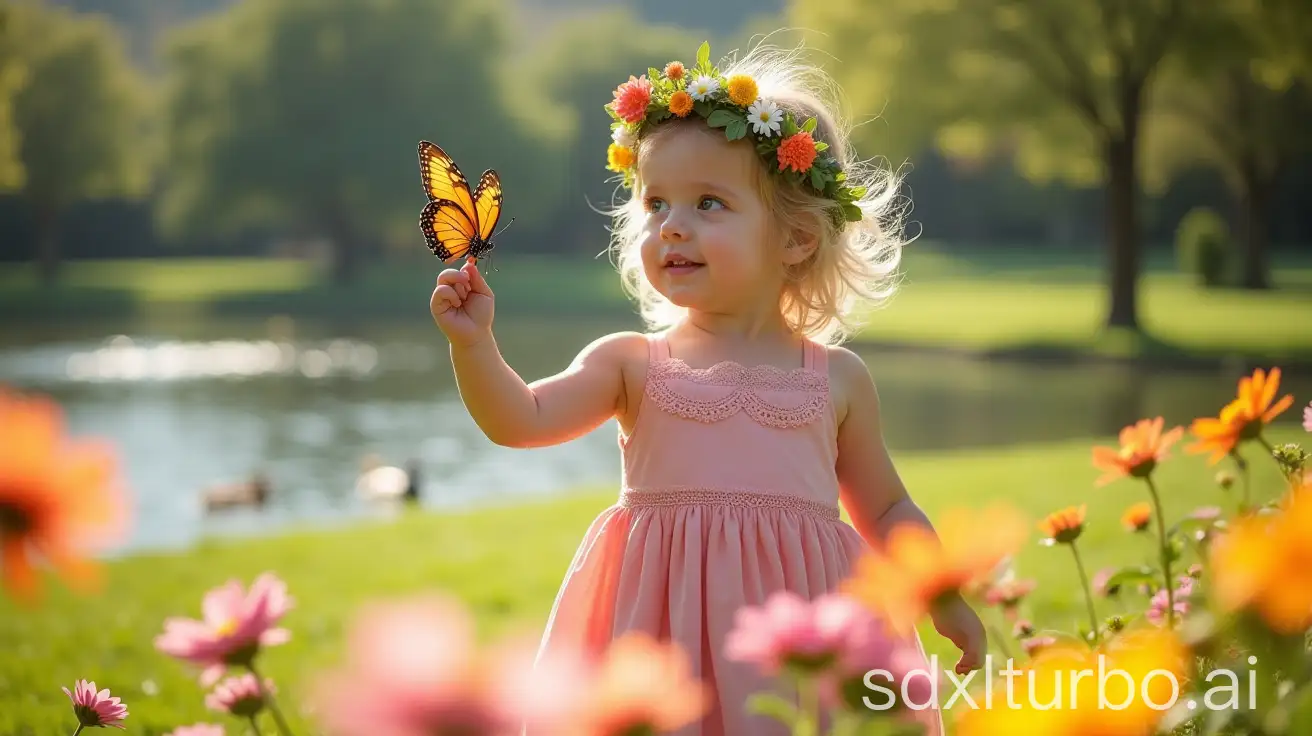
1165	547
1088	593
270	703
255	727
808	723
79	729
1242	464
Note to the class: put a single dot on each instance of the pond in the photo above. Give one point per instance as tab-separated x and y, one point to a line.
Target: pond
196	402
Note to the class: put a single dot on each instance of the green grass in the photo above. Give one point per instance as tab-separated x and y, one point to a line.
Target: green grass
506	564
1008	302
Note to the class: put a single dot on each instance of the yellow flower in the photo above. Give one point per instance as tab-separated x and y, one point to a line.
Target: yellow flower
1260	564
681	103
742	89
619	158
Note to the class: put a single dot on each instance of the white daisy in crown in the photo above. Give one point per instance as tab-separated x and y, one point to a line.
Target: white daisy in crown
703	87
765	117
623	136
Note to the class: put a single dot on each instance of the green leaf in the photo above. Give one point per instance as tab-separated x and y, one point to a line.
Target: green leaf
840	176
852	212
817	179
789	127
703	108
704	54
737	128
721	118
821	146
809	125
772	706
1133	575
653	73
855	192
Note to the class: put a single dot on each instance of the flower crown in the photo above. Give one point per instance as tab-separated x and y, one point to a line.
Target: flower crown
731	103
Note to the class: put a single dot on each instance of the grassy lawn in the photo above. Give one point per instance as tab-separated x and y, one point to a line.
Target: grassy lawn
1000	301
989	300
509	586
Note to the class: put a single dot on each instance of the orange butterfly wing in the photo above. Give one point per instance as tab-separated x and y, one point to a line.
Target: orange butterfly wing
442	178
455	222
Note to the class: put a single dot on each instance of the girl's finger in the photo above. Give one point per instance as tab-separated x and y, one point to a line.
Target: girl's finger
447	294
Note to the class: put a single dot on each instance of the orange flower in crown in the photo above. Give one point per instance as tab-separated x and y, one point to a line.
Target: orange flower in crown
734	103
916	568
1242	419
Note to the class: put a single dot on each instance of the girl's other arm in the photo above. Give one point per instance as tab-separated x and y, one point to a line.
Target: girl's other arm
873	493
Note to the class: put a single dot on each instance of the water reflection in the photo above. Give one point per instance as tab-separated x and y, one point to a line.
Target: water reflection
198	403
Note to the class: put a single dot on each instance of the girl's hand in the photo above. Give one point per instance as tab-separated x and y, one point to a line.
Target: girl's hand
958	622
462	305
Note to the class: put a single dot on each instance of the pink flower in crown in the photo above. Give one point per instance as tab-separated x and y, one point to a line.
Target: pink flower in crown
198	729
632	98
414	667
96	709
235	626
241	696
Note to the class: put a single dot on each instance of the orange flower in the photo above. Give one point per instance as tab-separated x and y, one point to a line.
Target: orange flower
1064	526
1136	517
674	70
1242	419
681	103
1057	694
1261	563
643	686
742	89
57	497
915	569
1142	446
797	152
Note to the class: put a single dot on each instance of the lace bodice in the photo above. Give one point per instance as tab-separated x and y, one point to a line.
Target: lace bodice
769	395
735	429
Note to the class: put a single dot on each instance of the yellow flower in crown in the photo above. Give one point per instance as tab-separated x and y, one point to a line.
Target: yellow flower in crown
789	147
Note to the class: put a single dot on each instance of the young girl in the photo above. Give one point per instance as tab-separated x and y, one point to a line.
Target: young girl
742	424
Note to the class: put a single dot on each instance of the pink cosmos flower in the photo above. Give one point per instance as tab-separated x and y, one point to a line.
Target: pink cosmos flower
1035	644
1156	612
240	695
1307	417
787	631
632	98
96	709
1100	580
199	729
236	625
833	636
413	668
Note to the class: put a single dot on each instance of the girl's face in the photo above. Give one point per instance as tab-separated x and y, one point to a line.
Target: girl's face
707	241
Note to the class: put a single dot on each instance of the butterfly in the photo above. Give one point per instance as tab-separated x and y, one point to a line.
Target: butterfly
455	222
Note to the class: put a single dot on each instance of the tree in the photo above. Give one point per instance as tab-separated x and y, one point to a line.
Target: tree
1029	77
12	75
305	115
576	72
81	117
1238	99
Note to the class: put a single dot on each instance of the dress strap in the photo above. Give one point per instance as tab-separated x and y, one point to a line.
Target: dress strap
657	348
815	357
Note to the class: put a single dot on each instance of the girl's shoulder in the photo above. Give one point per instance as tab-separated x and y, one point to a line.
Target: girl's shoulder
851	385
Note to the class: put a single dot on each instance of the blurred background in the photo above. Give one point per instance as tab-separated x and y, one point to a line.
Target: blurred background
210	252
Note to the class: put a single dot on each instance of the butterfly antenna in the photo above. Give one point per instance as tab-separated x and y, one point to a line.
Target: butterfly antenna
503	227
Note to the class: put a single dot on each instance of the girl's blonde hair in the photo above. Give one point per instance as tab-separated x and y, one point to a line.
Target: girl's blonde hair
854	264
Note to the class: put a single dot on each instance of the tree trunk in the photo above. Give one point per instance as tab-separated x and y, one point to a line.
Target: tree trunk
1255	204
1122	229
48	260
